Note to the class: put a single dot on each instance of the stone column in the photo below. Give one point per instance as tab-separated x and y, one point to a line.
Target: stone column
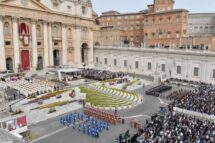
45	44
2	46
34	45
50	45
77	45
90	53
16	45
64	45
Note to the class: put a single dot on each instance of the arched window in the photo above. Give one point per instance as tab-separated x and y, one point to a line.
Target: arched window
6	28
39	32
54	31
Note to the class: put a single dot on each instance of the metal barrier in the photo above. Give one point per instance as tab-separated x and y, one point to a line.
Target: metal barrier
193	113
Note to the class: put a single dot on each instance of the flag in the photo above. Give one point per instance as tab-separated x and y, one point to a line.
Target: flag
22	121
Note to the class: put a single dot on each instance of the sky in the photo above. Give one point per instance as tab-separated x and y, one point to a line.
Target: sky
123	6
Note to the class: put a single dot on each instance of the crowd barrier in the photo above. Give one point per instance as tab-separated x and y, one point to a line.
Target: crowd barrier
104	116
193	113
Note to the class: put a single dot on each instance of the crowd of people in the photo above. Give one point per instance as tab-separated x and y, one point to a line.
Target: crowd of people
177	128
100	74
173	127
199	100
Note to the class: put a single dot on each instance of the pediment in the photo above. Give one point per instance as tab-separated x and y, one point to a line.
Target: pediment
31	4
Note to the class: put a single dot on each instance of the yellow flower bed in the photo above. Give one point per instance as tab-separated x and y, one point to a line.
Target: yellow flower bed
51	105
109	80
130	83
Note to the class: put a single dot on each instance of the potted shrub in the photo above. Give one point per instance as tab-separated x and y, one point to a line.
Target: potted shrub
52	110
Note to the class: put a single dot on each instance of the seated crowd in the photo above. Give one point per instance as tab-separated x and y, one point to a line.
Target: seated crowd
100	74
200	100
177	128
185	82
173	127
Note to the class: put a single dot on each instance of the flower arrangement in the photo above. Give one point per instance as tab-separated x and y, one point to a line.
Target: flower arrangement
47	96
109	80
130	83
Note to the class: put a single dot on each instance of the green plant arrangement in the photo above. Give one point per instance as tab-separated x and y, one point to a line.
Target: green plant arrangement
122	93
99	99
59	81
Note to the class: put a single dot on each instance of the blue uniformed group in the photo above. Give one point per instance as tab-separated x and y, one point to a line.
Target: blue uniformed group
84	123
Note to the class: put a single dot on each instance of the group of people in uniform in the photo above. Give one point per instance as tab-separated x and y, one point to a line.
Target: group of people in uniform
104	116
85	124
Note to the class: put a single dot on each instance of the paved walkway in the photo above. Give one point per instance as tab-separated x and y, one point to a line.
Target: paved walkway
36	116
50	131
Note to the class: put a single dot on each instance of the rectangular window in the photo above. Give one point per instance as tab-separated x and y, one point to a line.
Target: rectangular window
69	7
191	29
163	68
160	35
7	43
213	73
168	35
146	22
169	20
149	65
178	18
196	71
212	29
125	63
84	10
206	29
160	21
55	5
115	62
153	21
106	61
97	60
136	64
178	69
196	28
177	35
38	43
55	43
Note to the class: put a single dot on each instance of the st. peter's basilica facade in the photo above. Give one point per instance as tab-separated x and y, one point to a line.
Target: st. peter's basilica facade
39	33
